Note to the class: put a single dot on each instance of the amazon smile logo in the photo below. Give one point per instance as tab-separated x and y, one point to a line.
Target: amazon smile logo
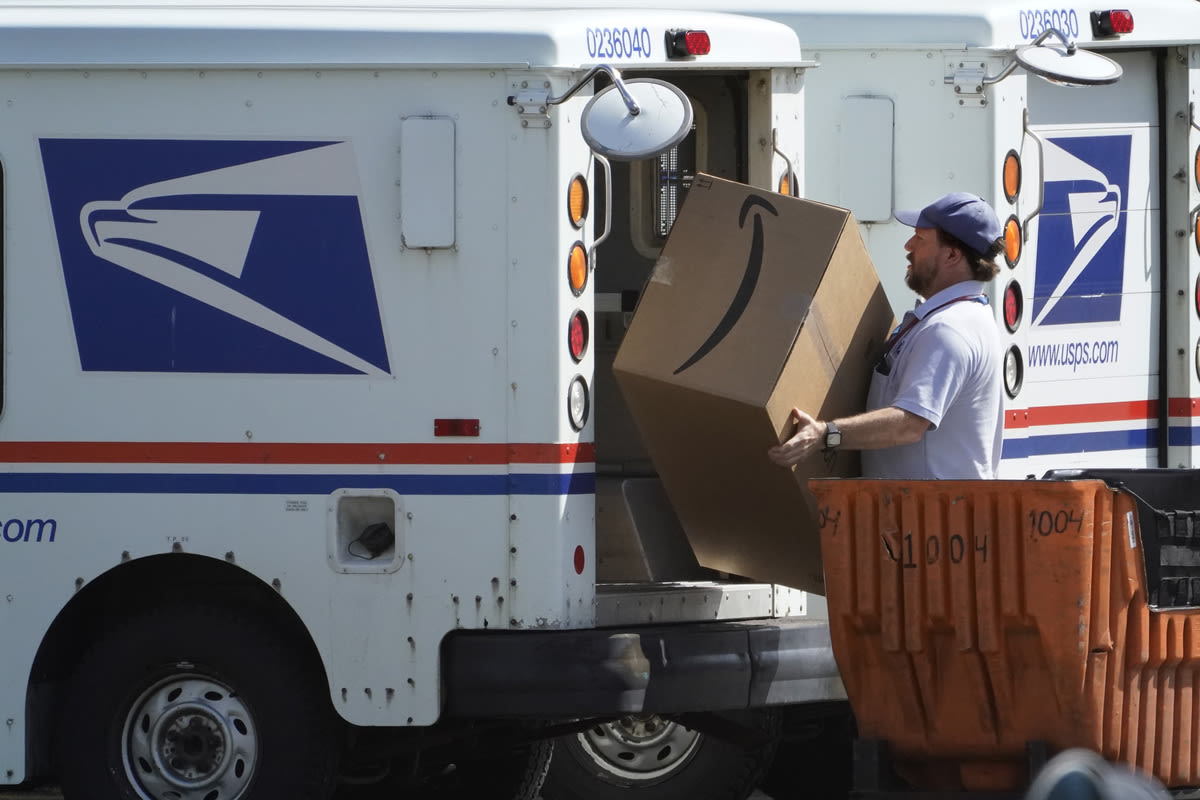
749	279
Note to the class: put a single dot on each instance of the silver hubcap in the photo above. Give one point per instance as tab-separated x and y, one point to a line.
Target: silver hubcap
643	748
189	738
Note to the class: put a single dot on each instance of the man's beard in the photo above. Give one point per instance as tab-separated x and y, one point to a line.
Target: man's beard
920	280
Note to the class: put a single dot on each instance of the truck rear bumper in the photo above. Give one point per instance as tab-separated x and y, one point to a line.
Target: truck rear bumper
718	666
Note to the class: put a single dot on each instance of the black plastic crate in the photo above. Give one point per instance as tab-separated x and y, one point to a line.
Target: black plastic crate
1169	518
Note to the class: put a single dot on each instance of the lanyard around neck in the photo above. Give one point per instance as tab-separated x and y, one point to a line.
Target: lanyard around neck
900	332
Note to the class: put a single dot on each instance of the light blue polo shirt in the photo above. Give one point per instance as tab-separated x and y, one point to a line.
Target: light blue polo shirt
947	369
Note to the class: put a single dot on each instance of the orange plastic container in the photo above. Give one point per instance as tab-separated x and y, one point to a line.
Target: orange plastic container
970	617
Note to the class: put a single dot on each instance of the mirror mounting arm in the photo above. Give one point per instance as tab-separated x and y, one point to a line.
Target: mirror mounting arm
988	80
1046	33
612	72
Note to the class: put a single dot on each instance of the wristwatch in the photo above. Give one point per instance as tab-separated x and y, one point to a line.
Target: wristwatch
833	436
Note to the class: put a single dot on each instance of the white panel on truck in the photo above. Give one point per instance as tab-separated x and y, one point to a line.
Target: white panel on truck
865	171
427	182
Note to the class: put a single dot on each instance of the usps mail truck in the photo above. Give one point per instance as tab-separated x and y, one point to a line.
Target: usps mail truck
1093	167
298	416
1097	183
1079	124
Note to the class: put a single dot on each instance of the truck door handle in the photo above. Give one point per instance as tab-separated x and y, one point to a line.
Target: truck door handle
1041	177
608	195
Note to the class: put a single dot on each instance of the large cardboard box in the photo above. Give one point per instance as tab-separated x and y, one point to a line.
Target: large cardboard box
759	303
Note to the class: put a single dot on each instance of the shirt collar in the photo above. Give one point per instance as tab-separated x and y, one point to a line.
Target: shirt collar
962	289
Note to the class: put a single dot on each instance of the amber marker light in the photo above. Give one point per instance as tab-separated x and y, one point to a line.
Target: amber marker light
1196	232
577	268
1012	176
1012	241
577	201
787	183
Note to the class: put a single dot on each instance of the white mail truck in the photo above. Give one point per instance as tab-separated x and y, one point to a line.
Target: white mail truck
1090	163
304	395
1093	165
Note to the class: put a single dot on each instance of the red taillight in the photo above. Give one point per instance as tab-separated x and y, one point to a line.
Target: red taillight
577	335
1112	23
1014	304
681	44
456	427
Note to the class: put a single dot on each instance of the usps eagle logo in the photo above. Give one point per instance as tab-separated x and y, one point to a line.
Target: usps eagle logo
215	256
1081	230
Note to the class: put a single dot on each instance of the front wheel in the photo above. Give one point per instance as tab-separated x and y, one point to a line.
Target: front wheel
648	757
195	703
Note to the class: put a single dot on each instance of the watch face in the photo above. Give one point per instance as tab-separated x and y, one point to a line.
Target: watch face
833	438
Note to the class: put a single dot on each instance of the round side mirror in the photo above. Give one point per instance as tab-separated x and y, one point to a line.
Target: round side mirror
662	120
1068	66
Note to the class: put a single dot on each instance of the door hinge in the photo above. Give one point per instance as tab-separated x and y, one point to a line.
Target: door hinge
967	78
533	106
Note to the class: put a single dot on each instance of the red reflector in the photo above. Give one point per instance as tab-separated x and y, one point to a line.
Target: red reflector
579	560
456	427
577	335
681	44
1013	305
1112	23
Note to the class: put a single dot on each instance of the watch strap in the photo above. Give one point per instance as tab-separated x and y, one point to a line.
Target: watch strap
833	436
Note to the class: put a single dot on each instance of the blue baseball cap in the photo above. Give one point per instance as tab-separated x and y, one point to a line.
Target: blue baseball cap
964	216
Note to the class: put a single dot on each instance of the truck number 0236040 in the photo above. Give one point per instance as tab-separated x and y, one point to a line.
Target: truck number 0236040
618	42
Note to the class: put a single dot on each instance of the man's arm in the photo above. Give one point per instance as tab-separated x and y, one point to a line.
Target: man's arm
872	430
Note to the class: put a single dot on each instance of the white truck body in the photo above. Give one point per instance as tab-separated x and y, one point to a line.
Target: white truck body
904	109
275	273
900	113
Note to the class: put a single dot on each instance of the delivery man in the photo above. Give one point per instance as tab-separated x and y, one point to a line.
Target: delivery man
935	407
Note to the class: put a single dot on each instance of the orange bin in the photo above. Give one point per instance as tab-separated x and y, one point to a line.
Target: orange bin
971	617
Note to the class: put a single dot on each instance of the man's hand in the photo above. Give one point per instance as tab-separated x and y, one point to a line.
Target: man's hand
809	437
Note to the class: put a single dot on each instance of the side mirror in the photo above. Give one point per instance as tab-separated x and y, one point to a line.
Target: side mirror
636	119
1066	65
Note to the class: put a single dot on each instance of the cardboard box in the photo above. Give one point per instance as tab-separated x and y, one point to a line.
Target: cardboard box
759	303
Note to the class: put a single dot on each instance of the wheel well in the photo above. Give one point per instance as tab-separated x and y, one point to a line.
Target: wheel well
122	591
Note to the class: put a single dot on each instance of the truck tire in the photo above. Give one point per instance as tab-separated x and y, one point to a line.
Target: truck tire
646	757
501	772
195	703
515	773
